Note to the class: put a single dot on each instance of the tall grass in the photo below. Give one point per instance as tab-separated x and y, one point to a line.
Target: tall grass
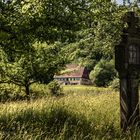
83	115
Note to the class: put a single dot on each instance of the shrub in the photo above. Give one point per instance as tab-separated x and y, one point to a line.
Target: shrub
54	88
11	92
115	84
103	73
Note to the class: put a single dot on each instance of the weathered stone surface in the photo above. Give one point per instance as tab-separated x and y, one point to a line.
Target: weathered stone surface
127	63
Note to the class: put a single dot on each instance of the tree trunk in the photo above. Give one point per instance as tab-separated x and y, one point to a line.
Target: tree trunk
27	90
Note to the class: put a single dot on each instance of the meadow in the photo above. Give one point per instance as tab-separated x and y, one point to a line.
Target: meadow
81	113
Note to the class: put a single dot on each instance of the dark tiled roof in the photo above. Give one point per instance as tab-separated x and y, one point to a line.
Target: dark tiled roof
73	70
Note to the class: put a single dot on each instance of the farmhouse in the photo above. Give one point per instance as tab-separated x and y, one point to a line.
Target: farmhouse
74	75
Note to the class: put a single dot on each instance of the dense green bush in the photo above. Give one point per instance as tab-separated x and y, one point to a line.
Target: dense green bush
54	88
11	92
103	73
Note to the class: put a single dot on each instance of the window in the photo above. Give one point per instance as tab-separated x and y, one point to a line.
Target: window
78	79
134	56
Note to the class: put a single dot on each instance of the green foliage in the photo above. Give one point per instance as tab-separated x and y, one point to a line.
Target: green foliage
97	41
24	22
115	84
10	92
29	30
103	73
55	88
38	65
50	60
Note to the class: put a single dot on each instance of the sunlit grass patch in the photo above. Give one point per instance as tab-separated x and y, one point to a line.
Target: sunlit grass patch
81	89
74	116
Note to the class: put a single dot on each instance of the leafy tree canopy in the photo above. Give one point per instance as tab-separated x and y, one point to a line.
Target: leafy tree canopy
40	65
97	41
87	30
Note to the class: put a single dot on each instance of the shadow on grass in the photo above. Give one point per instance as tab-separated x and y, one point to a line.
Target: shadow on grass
52	123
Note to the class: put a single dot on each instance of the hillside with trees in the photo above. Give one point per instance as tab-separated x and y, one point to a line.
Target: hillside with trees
37	38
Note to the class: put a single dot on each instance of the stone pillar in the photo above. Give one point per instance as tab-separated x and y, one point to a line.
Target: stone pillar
129	100
133	84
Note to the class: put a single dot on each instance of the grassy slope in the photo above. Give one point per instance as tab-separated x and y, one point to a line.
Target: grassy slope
82	113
